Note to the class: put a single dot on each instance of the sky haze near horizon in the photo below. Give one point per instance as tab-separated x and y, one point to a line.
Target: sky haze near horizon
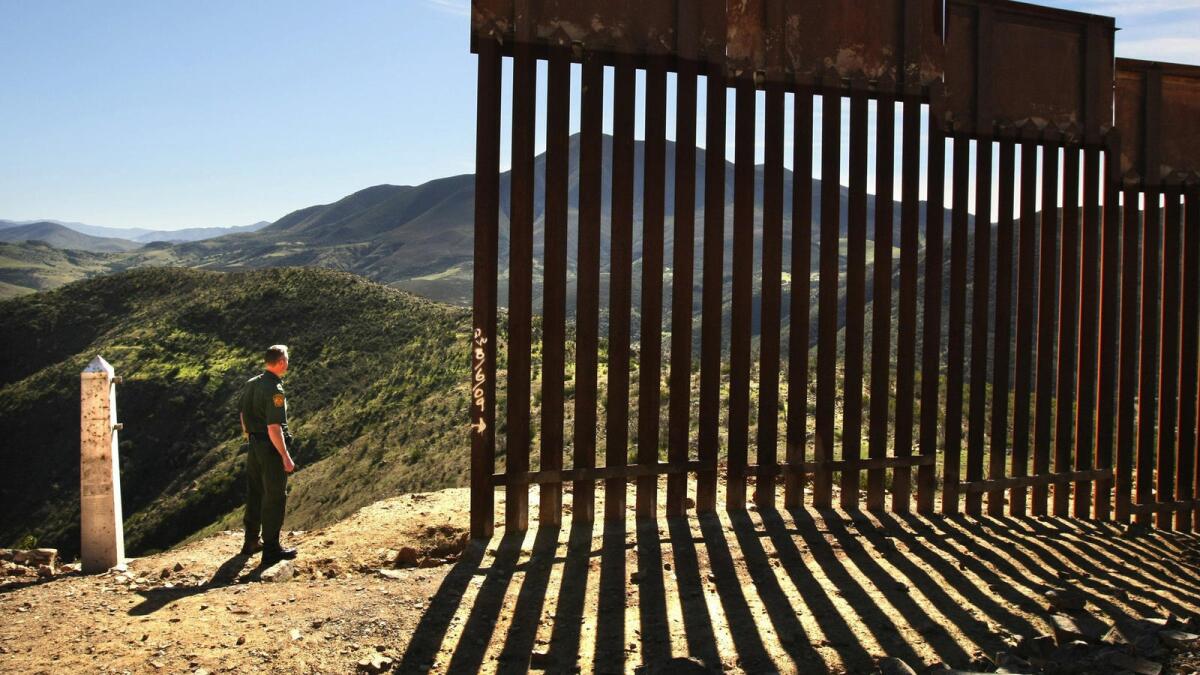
167	114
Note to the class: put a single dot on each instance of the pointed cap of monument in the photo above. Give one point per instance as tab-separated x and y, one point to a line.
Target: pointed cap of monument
99	365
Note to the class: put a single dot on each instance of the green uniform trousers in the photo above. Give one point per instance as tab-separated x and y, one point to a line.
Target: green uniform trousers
266	492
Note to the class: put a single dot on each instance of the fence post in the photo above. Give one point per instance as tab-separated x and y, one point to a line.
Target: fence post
102	536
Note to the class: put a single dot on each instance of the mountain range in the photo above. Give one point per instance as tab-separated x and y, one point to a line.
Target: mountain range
420	238
63	237
129	237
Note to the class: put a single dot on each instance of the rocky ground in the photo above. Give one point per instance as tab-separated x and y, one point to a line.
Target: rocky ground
398	588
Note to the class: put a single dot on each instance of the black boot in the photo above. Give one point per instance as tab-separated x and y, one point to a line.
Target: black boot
252	546
274	554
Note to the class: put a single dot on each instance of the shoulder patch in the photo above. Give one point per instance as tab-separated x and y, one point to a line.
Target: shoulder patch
277	400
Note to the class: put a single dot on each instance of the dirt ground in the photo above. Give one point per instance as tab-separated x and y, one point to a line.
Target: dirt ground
753	592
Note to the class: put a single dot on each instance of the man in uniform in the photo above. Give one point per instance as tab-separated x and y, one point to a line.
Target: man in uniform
263	411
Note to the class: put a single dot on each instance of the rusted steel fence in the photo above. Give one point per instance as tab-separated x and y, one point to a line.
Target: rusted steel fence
1025	330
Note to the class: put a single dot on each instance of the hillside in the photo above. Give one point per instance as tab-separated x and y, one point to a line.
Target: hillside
376	395
28	267
63	237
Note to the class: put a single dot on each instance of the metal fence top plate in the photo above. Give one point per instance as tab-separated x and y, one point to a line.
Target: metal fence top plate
1158	113
1026	68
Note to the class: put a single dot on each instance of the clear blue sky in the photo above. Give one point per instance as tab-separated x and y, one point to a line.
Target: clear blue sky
173	113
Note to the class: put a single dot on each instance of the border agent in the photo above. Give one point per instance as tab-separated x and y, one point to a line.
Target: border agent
263	410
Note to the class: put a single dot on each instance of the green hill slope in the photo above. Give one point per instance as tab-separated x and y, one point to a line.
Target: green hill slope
32	266
376	391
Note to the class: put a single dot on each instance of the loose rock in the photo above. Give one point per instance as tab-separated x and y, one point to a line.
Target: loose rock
895	666
1117	635
1010	663
1065	600
1133	664
1039	647
1068	629
1177	639
283	570
375	663
680	665
407	555
45	556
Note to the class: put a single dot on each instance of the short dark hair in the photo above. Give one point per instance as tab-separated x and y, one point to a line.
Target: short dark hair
275	353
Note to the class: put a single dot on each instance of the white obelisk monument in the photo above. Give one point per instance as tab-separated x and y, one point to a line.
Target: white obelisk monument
102	532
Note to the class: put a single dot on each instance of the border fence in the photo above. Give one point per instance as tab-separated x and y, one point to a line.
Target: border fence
1049	336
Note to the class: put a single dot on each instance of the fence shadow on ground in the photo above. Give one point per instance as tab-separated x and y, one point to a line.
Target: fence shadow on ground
794	590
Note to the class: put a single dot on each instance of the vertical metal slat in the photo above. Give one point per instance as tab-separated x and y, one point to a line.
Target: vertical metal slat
1047	294
856	252
1089	319
1190	333
979	320
957	325
798	314
1148	353
740	314
978	411
587	308
827	319
483	347
620	274
1192	226
1168	358
1005	224
906	337
1026	271
1068	297
1108	354
1128	385
712	290
682	269
881	307
650	358
772	268
520	289
931	356
554	301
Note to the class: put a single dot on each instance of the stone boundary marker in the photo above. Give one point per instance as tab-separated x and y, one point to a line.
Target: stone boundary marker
102	534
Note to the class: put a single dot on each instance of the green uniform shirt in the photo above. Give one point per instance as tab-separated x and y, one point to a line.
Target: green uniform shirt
263	403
